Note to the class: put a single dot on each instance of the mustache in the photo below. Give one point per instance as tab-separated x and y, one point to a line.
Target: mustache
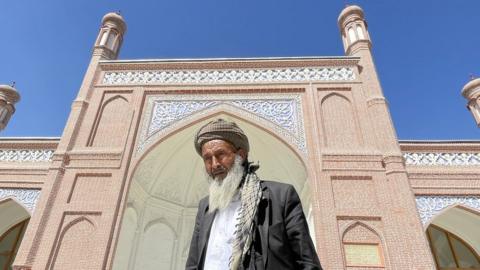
220	170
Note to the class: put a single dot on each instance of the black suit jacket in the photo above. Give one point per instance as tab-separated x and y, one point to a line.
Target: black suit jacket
281	240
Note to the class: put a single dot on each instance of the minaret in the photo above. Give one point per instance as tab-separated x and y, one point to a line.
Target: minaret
8	97
107	47
356	42
31	254
398	211
353	28
471	91
110	36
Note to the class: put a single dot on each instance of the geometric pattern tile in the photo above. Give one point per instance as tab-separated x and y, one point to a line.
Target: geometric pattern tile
27	197
229	76
283	112
429	206
26	155
442	159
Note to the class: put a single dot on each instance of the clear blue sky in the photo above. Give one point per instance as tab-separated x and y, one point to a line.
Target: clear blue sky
424	50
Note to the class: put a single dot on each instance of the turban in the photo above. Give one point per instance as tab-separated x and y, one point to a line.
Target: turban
221	130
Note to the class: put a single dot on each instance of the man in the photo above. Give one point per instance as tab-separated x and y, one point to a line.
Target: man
245	223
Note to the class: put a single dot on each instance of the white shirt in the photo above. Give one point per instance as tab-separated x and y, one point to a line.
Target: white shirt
220	243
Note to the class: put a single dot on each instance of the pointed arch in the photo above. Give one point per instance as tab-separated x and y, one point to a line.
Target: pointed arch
76	244
349	226
157	249
160	220
17	202
11	213
128	239
167	181
458	205
10	242
430	207
111	118
451	251
460	220
339	122
188	128
234	112
358	236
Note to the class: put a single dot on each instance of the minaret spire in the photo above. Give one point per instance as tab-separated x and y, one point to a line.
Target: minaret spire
471	92
353	28
110	37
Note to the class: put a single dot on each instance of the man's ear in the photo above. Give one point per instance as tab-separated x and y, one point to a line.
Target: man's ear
241	152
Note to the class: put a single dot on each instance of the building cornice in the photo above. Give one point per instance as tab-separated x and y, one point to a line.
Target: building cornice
227	63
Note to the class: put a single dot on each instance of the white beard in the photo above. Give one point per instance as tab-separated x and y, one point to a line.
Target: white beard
221	192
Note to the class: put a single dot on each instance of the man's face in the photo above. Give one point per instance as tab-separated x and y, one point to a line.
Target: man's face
219	156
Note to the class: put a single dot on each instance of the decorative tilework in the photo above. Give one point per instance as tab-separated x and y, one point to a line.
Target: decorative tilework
282	111
28	197
26	155
442	159
230	76
429	206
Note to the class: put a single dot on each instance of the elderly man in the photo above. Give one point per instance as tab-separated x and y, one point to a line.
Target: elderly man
245	223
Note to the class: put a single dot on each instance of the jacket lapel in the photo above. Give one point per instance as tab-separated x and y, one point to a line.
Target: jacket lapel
263	230
205	231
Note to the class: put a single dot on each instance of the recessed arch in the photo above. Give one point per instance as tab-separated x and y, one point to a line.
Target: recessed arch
111	117
76	244
161	220
346	228
14	218
334	95
339	122
181	141
295	140
129	229
461	221
11	212
357	236
167	180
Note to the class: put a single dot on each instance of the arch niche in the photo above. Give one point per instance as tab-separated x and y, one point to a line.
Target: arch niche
14	218
454	238
169	181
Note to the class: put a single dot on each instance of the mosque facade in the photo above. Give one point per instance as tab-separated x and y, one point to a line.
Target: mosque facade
120	188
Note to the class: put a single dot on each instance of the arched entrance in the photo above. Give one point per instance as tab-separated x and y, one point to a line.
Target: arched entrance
13	222
168	183
454	238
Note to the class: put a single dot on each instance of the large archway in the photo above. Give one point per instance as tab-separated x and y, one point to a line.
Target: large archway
168	183
13	222
455	239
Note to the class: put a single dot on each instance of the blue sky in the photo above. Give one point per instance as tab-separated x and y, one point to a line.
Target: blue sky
424	50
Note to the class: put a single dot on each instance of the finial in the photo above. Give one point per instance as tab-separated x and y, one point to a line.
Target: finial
13	84
118	12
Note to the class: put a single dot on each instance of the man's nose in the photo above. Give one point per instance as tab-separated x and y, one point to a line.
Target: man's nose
215	163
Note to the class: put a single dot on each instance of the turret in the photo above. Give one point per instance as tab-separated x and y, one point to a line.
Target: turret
8	97
356	41
353	28
471	91
107	47
110	37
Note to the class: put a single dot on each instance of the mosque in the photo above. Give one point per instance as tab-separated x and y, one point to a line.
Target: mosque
119	189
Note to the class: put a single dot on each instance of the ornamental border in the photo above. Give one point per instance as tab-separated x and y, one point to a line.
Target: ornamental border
441	159
230	76
27	197
297	139
430	206
26	155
